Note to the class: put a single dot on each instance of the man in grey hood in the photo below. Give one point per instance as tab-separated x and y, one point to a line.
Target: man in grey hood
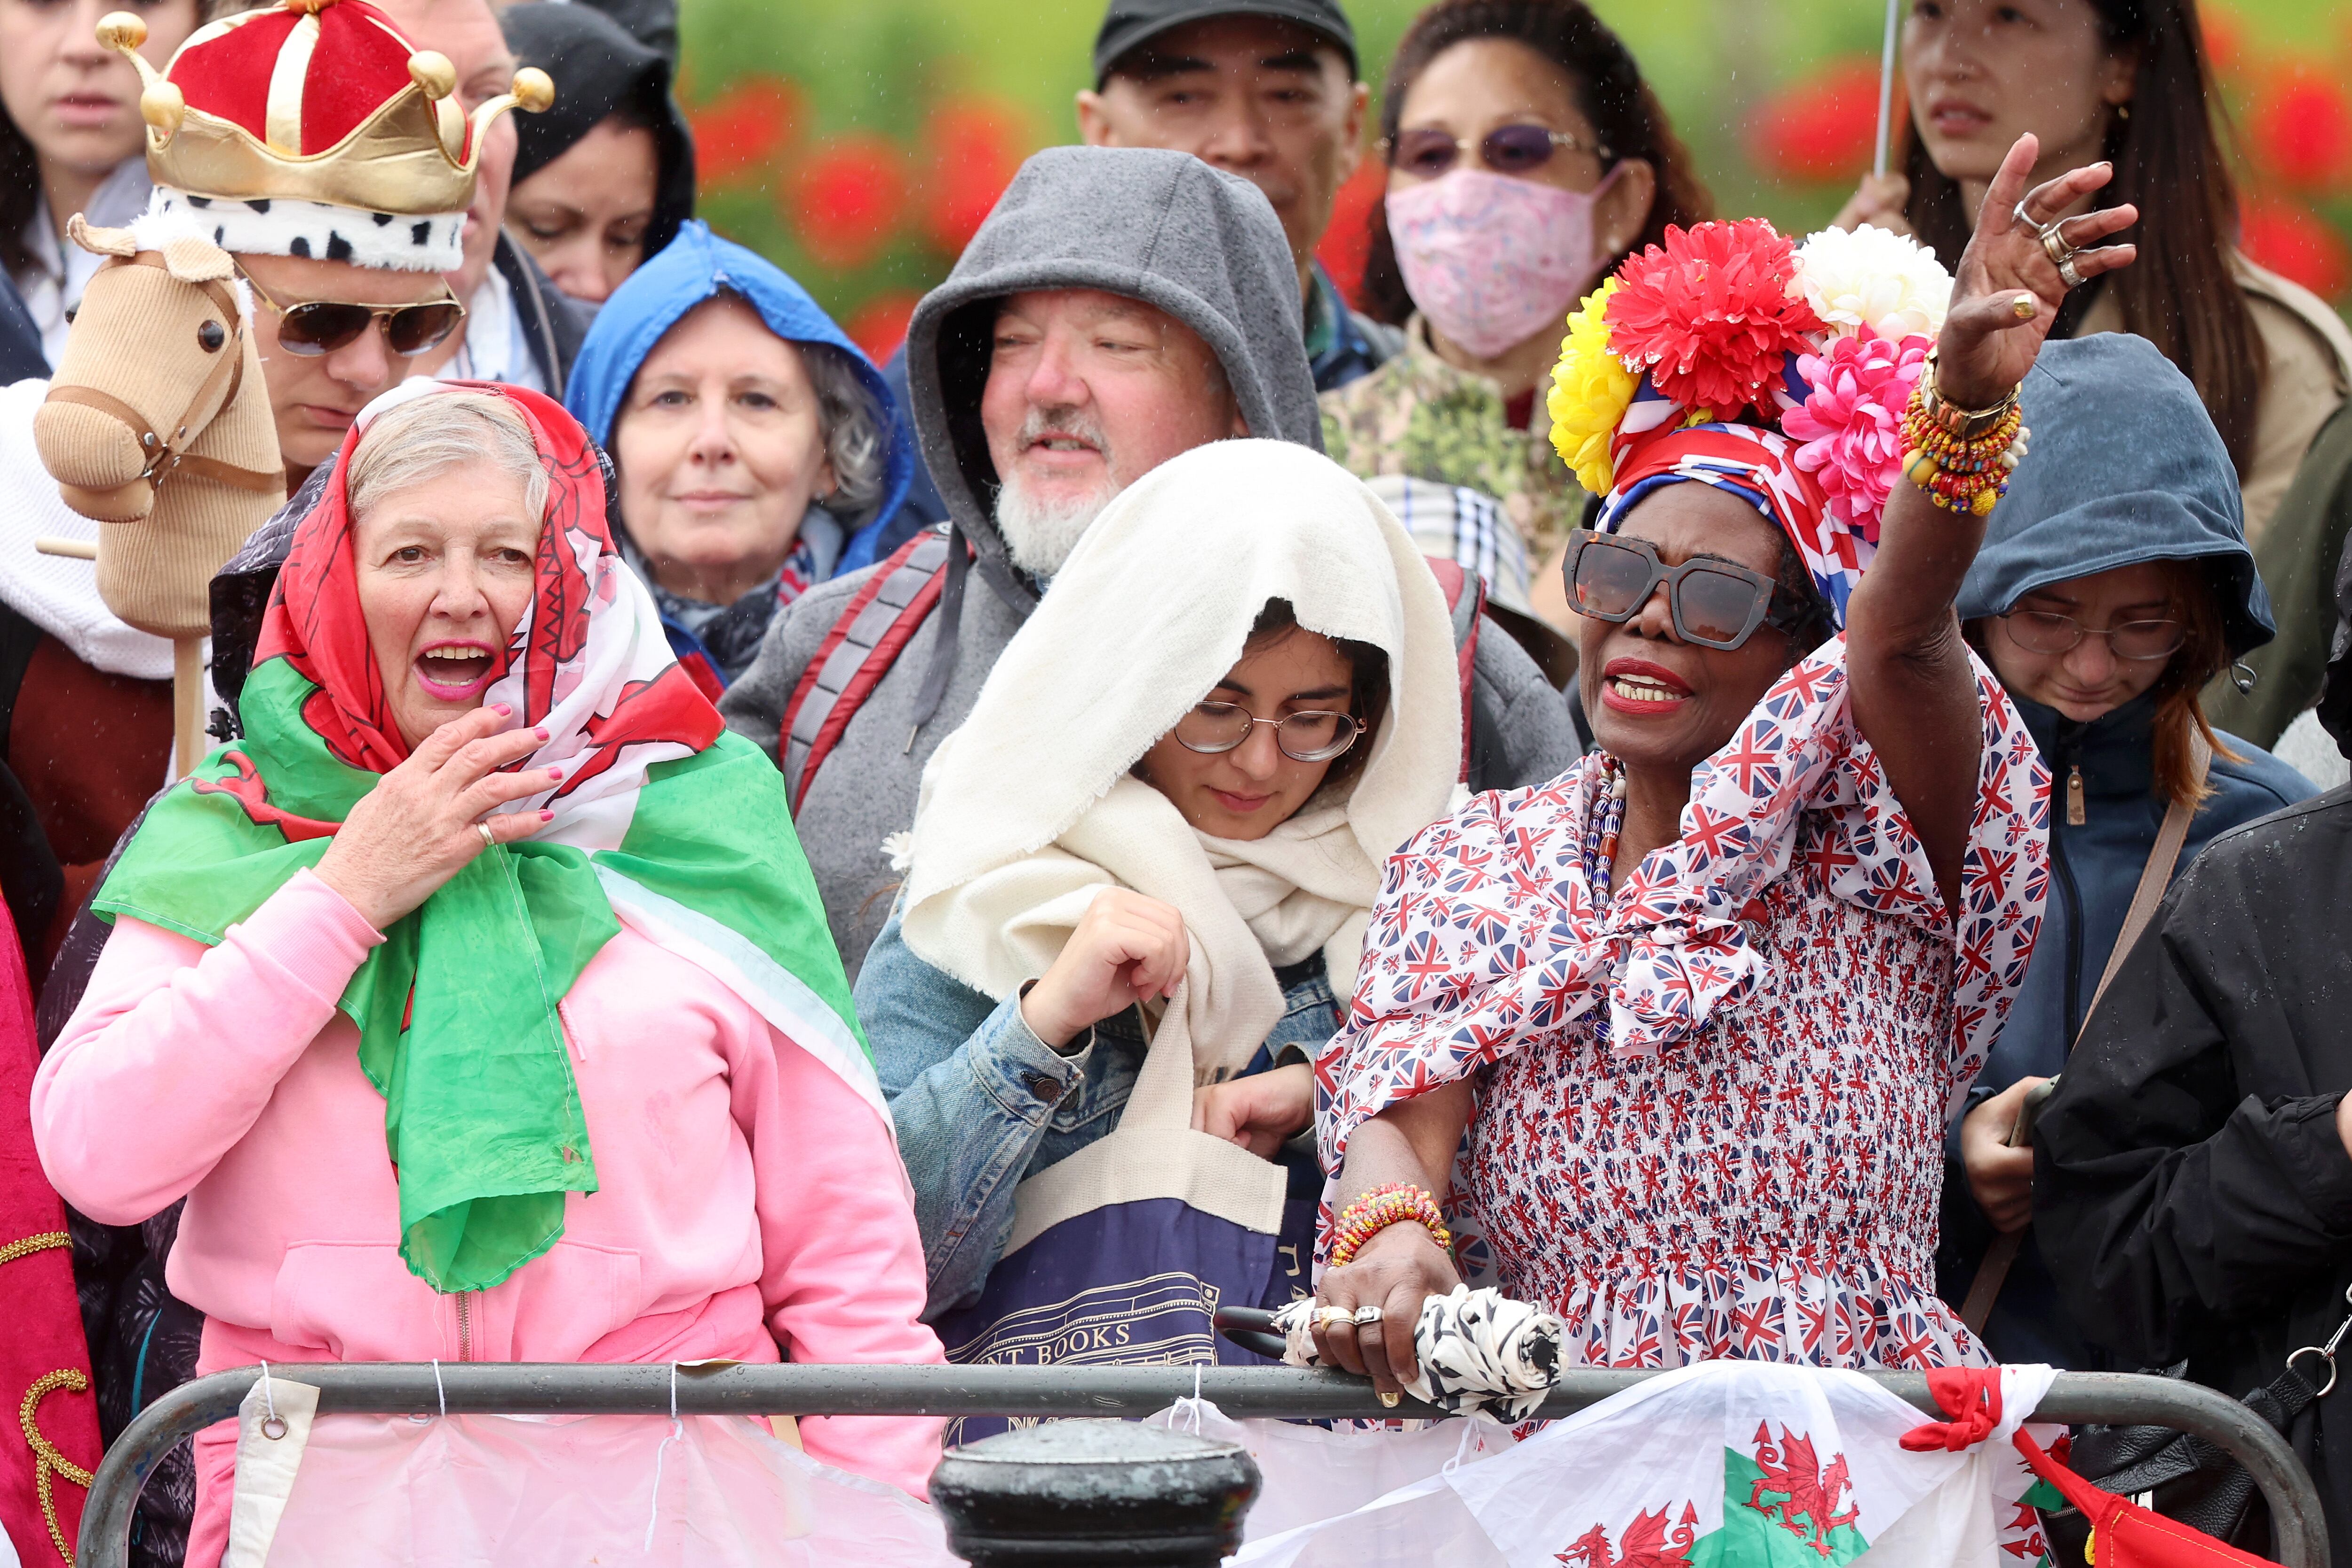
1120	307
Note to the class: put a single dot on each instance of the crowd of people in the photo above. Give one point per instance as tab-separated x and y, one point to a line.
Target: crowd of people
1713	780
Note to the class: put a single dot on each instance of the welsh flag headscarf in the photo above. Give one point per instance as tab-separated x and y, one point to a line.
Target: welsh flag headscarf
662	817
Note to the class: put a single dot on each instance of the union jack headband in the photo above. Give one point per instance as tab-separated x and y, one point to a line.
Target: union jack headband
1759	466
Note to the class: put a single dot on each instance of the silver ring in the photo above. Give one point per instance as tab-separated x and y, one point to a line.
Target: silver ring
1365	1316
2017	215
489	839
2067	273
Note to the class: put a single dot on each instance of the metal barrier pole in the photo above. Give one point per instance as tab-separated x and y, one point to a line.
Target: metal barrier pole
546	1388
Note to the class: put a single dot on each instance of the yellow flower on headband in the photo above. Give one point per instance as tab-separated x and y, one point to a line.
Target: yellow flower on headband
1591	390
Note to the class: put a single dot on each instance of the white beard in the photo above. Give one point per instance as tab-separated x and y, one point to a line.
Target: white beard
1040	536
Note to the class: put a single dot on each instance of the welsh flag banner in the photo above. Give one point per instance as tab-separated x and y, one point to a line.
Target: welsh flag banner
1724	1464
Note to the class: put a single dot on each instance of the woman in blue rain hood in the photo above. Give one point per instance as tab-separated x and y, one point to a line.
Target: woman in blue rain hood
2115	581
752	438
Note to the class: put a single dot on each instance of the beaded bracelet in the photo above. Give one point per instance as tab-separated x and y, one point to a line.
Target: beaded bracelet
1375	1211
1960	474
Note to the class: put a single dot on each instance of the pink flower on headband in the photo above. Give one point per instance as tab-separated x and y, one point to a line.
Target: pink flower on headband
1712	315
1852	421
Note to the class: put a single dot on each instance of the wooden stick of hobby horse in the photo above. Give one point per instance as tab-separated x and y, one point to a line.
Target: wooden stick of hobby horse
187	673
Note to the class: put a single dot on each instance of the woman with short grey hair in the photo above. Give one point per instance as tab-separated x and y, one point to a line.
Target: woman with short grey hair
752	439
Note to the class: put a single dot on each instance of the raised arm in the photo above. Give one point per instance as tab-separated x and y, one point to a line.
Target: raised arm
1913	693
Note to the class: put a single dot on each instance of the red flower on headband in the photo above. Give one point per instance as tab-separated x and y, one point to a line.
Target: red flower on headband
1711	315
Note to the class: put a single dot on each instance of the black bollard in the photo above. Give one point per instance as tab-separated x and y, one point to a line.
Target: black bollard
1072	1492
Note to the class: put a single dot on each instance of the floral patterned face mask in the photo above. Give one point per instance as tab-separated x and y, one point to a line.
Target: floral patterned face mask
1491	260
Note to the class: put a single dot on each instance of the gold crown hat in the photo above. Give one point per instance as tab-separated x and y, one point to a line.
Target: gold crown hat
313	128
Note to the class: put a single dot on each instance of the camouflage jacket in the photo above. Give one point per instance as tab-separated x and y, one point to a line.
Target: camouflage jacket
1418	415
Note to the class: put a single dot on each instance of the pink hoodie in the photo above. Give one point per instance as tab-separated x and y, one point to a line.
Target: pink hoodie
749	1197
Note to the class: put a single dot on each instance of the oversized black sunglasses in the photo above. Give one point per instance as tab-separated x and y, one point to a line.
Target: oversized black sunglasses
1429	152
1715	603
322	326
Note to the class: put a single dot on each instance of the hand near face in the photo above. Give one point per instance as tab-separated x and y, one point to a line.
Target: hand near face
1126	949
416	829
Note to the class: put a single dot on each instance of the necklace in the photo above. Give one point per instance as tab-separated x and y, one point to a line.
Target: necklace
1603	828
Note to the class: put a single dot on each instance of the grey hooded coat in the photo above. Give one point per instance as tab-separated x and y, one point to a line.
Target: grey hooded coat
1158	226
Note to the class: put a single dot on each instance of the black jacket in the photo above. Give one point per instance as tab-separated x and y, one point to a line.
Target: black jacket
2192	1195
554	324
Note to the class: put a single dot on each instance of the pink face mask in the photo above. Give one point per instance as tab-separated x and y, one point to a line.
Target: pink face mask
1491	260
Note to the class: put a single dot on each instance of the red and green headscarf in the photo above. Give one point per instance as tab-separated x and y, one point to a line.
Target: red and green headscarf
663	818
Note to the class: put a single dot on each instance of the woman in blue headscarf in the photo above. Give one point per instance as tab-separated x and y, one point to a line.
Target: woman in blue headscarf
753	441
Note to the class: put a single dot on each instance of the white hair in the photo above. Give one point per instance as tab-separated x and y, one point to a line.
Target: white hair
1038	535
427	436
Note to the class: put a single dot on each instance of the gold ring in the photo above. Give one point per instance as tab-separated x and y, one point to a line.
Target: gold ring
489	839
2054	246
2022	307
1391	1401
1330	1318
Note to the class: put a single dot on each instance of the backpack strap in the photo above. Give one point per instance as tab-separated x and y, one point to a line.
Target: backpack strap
1465	602
886	610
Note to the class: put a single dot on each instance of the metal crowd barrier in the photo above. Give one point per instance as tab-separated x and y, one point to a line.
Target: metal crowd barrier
548	1388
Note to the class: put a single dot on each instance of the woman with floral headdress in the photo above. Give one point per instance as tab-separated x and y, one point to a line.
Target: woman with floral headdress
1692	1014
478	1001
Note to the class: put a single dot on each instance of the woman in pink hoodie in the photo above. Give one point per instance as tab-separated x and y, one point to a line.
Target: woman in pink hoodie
478	1001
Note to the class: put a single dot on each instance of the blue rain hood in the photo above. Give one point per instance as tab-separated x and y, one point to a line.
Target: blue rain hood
690	269
2125	466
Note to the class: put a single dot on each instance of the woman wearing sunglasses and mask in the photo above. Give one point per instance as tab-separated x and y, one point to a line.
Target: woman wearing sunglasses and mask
1187	766
1695	1014
2113	584
1526	157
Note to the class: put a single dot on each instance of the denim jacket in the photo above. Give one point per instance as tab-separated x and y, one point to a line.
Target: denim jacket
980	1102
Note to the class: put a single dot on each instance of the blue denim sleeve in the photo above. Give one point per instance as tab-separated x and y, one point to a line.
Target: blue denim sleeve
972	1090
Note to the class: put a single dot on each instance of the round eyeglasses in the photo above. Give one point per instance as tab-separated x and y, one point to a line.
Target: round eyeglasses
1314	735
2046	631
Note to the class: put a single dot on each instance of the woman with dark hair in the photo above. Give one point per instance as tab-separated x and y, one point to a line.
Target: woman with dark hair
1674	1038
2127	81
1179	843
2114	583
71	141
1526	156
604	179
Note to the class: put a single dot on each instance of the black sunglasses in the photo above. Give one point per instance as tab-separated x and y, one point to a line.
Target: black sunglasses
322	326
1715	603
1429	152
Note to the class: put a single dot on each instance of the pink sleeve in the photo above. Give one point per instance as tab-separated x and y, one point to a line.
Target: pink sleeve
843	1276
177	1047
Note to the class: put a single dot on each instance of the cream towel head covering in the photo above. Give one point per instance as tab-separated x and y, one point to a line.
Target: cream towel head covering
1029	811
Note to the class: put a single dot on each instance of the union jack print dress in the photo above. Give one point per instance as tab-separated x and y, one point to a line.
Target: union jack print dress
1745	1162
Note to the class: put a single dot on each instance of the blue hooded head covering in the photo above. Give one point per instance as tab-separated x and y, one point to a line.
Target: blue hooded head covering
696	266
2125	467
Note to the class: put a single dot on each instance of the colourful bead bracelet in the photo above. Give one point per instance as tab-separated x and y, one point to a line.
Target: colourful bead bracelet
1960	474
1375	1211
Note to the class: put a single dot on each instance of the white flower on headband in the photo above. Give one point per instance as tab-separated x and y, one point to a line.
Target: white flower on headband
1874	277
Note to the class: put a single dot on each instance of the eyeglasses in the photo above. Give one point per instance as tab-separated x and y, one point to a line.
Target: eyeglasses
1715	603
2044	631
1506	150
1313	736
322	326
